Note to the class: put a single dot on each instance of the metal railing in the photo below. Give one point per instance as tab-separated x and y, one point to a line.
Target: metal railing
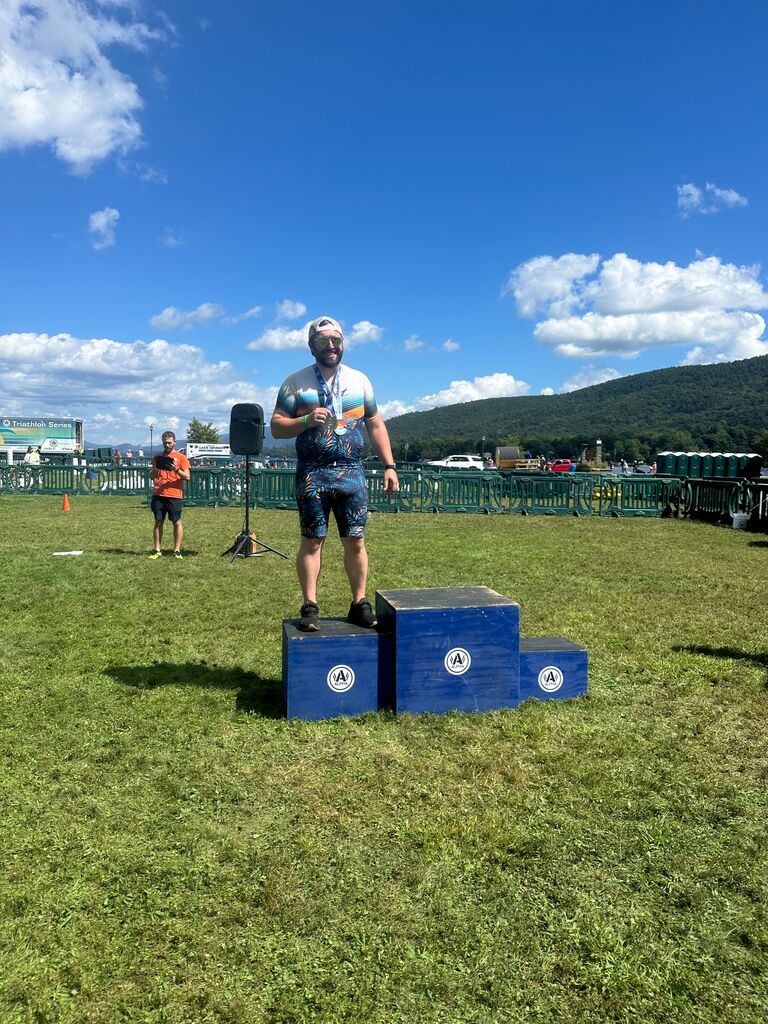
574	494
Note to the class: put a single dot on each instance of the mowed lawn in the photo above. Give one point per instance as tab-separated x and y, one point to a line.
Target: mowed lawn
173	850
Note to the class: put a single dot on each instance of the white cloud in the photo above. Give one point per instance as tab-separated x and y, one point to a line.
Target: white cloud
451	346
364	331
249	314
119	387
625	285
153	175
277	339
288	309
547	391
494	385
280	338
586	377
413	344
629	307
101	227
173	239
549	283
142	171
57	86
627	336
710	199
172	318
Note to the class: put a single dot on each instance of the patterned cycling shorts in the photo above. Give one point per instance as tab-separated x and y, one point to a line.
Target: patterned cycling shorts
338	489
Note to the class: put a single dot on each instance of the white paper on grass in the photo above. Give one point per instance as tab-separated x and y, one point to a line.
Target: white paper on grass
67	553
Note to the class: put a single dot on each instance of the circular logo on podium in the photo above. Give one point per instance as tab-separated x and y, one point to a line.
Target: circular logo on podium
457	661
341	678
550	679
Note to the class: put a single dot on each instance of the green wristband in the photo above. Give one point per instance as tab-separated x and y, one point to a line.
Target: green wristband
304	420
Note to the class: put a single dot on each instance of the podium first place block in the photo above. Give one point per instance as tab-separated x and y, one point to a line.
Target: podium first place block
552	668
449	649
331	672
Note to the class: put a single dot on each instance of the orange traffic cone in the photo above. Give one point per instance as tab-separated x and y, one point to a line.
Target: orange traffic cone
65	506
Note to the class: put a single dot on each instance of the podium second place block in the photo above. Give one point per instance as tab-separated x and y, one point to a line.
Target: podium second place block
331	672
449	649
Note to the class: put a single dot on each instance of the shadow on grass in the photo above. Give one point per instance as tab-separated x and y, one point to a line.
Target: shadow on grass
188	553
758	543
733	653
255	695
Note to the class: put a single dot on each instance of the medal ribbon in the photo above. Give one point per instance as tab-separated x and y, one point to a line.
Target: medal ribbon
333	398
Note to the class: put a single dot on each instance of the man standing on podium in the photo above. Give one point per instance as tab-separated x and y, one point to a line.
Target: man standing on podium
324	406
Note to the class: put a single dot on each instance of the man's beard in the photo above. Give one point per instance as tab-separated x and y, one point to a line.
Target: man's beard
325	358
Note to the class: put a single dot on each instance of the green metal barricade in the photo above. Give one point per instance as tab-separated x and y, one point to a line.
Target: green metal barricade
463	491
712	499
519	493
641	496
527	494
208	486
274	488
586	491
494	492
431	493
551	495
403	500
123	480
607	495
755	504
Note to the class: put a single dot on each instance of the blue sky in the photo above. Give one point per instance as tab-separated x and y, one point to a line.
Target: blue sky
495	198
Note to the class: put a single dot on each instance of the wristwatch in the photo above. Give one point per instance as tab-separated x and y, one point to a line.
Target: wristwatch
390	465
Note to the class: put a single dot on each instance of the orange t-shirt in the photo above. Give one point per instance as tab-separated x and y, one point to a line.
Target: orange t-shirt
168	483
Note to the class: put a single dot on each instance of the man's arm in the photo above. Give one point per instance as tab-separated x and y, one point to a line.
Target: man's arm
183	470
379	437
283	426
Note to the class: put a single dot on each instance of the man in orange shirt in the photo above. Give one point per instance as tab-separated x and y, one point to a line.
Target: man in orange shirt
169	471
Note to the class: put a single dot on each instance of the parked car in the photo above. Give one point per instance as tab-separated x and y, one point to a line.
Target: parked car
563	466
642	467
459	462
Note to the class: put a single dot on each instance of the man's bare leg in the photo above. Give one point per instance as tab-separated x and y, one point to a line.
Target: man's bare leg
308	563
158	534
178	534
356	565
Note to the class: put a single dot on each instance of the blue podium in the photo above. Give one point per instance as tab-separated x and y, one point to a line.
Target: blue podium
436	650
552	668
448	649
332	672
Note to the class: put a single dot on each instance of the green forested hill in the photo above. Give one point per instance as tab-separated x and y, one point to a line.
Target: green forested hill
722	407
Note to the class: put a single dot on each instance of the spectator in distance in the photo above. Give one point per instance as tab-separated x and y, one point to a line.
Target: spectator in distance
169	471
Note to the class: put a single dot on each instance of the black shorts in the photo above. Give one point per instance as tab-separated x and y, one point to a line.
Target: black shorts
162	507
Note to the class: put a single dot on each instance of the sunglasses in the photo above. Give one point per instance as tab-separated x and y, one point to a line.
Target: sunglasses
323	341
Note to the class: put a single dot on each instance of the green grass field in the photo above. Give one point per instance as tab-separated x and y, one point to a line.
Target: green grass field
173	850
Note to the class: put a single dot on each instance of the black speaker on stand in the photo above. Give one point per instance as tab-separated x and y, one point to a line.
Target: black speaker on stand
246	437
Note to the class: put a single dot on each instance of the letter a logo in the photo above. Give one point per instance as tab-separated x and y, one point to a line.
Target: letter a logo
457	661
550	679
341	678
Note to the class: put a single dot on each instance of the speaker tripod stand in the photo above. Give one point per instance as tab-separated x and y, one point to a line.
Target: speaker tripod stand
246	545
